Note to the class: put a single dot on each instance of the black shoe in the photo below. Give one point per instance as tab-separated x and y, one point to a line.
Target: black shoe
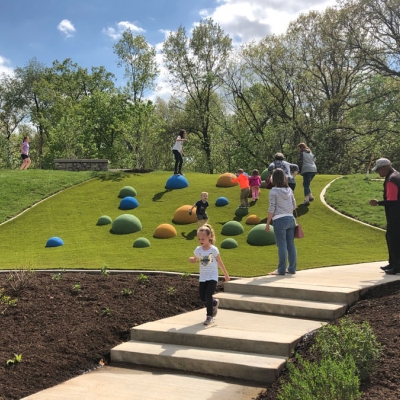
391	271
386	267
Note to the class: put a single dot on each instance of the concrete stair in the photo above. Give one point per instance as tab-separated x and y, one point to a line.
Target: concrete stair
259	323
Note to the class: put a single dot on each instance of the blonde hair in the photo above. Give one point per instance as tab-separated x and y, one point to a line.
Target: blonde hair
209	231
204	193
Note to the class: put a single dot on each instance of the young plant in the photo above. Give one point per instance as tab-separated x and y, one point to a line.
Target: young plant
16	359
171	291
6	301
186	275
58	276
143	278
77	287
105	311
104	271
126	292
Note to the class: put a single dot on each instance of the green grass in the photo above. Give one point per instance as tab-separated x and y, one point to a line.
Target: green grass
351	194
73	214
21	189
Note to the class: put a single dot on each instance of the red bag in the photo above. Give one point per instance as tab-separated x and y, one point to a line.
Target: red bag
298	232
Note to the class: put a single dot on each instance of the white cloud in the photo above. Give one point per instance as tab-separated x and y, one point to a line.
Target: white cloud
66	27
4	69
115	33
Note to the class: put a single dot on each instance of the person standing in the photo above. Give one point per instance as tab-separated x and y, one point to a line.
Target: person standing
244	188
280	211
209	260
24	148
201	207
391	202
289	169
255	183
308	169
177	150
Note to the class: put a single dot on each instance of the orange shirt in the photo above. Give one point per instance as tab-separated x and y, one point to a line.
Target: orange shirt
243	181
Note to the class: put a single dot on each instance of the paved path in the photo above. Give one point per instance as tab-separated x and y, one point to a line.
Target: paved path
112	382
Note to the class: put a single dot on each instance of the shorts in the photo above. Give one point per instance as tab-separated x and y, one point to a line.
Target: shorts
24	156
200	217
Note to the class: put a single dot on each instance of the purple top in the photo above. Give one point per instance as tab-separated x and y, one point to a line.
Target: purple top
25	148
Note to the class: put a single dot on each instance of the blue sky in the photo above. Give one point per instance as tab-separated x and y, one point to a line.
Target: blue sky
86	30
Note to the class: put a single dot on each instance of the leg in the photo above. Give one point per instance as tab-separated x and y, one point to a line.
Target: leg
28	162
253	193
180	163
307	178
280	226
257	190
246	197
291	248
393	243
292	185
202	292
210	290
176	155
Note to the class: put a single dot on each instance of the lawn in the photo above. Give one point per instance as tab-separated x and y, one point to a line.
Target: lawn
72	215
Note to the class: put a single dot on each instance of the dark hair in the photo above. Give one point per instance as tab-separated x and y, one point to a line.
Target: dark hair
279	178
182	134
25	137
279	156
255	172
240	171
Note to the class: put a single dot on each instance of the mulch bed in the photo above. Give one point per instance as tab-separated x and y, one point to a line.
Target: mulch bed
63	330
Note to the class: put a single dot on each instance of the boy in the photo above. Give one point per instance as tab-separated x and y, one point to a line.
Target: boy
201	206
244	188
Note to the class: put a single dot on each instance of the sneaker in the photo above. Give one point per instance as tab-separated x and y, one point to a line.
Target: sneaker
311	198
215	307
386	267
306	203
391	271
208	321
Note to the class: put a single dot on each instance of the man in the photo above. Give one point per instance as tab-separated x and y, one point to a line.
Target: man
391	202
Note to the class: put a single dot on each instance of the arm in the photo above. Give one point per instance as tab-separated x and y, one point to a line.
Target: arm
392	192
222	266
193	259
270	215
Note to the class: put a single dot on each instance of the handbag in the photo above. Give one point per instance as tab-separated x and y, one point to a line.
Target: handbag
268	182
298	232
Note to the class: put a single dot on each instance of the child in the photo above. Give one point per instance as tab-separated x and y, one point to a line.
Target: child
177	150
201	206
209	261
244	188
255	183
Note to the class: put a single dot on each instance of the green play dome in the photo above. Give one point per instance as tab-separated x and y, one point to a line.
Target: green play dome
126	223
259	237
229	244
232	228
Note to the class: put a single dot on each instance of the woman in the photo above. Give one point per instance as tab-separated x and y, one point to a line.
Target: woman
308	169
24	148
178	151
290	170
280	211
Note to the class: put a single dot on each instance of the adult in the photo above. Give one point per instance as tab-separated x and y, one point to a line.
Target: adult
24	148
391	202
308	169
280	211
289	169
177	150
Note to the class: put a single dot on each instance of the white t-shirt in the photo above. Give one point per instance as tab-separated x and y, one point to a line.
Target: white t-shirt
208	263
178	145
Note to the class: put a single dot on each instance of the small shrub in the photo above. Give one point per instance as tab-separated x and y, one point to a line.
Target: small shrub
171	291
16	359
58	276
77	287
6	301
104	271
349	338
186	275
20	278
126	292
142	278
105	311
327	379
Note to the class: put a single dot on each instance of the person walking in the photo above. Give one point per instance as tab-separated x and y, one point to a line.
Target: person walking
391	202
244	188
177	150
24	148
207	254
255	183
290	170
308	169
201	207
280	211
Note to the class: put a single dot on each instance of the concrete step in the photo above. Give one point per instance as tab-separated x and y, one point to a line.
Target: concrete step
229	364
290	287
280	306
233	330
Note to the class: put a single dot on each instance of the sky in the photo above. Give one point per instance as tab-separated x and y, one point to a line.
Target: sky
86	30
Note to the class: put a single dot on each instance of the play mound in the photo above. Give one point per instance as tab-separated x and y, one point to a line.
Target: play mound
224	180
221	201
54	242
253	220
128	203
127	191
126	223
182	216
176	182
264	174
229	243
232	228
141	242
241	211
104	220
165	231
259	237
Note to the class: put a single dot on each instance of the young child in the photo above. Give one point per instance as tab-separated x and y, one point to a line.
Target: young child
244	188
209	261
255	183
201	207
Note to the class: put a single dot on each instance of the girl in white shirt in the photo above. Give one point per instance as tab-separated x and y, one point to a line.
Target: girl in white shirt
178	151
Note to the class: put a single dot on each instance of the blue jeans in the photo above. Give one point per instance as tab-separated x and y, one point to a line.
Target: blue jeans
284	237
307	178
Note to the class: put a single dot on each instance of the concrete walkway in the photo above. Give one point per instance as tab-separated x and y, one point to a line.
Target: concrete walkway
335	284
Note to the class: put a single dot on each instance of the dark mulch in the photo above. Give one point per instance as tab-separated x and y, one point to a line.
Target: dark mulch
62	333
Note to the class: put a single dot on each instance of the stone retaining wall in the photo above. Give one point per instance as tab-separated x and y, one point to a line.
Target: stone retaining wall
81	165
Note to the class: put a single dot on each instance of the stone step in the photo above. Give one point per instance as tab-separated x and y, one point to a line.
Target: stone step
233	330
290	287
229	364
280	306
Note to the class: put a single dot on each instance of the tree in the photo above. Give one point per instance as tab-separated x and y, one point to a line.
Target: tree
196	66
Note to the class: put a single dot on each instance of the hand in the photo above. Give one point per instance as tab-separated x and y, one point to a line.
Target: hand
227	278
373	202
267	229
192	259
190	212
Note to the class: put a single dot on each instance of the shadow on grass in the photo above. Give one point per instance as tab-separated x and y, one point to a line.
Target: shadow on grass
301	210
112	176
159	195
191	235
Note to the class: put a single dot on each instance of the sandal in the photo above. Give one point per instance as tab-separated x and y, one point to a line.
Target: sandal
276	272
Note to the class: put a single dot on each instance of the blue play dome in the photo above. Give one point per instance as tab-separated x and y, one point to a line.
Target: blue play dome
176	182
54	242
128	203
221	201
